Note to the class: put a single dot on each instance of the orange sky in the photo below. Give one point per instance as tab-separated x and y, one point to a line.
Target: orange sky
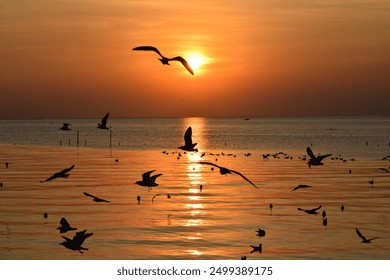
74	58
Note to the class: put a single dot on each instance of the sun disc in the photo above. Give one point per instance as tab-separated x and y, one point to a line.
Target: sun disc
195	61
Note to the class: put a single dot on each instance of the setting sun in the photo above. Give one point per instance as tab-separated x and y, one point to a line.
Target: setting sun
196	61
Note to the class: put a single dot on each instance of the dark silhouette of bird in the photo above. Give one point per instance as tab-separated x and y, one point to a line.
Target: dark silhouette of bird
95	198
371	182
364	240
148	181
65	226
224	171
61	174
188	145
65	126
325	222
45	215
165	60
315	160
257	248
77	241
342	208
311	211
323	214
168	196
301	187
270	208
103	124
260	232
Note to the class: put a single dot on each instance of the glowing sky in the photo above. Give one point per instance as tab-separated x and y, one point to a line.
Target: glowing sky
74	58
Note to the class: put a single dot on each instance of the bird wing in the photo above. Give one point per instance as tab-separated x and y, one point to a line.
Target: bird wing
147	48
188	137
105	118
315	209
245	178
360	235
184	62
321	157
146	175
90	195
52	177
310	153
64	222
66	170
209	163
154	177
67	239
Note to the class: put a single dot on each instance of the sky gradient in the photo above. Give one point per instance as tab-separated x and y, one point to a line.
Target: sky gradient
74	58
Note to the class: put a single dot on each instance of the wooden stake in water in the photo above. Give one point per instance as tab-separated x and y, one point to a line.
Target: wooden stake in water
77	141
110	137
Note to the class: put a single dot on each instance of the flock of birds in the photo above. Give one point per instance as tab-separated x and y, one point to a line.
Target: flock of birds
149	181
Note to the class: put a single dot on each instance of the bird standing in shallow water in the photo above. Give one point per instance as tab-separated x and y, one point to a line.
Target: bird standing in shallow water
165	60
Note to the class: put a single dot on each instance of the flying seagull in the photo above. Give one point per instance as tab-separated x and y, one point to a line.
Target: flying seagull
77	241
260	232
65	226
315	160
96	199
188	145
65	126
364	240
165	60
148	181
311	211
103	125
301	187
224	170
61	174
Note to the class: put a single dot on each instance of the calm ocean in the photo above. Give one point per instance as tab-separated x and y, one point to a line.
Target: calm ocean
217	221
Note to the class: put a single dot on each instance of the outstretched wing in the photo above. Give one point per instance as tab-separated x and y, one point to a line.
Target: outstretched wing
188	137
315	209
66	170
310	153
245	178
146	175
154	177
64	222
105	118
360	235
184	62
209	163
147	48
90	195
321	157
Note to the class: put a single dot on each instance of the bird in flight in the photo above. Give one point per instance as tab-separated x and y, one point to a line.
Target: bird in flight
95	198
65	226
364	240
77	241
168	196
301	187
148	181
165	60
65	126
315	160
61	174
103	124
311	211
188	145
224	170
260	232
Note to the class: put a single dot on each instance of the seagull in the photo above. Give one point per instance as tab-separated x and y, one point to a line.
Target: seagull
81	236
260	232
96	199
257	248
315	160
65	226
103	125
224	170
77	241
301	187
188	145
61	174
148	181
364	240
168	196
164	60
325	222
65	126
311	211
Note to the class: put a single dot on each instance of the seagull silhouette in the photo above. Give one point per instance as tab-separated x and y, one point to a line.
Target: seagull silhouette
224	170
103	124
364	240
77	241
95	198
260	232
165	60
257	248
65	126
315	160
188	145
148	181
301	187
311	211
65	226
61	174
